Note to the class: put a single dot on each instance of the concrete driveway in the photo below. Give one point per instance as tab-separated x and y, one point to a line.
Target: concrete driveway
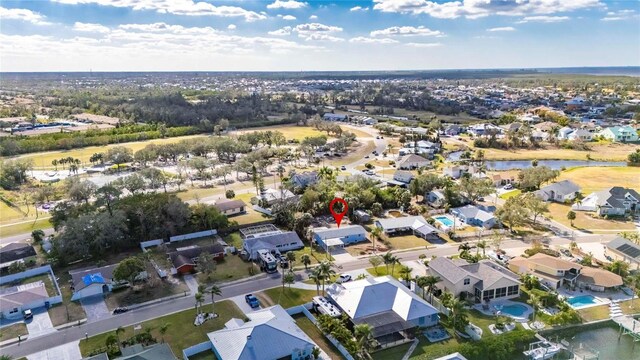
95	308
40	324
242	304
192	283
68	351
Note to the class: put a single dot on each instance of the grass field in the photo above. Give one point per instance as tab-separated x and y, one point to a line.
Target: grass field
181	333
602	152
592	179
232	268
405	242
24	227
355	154
510	194
12	331
317	336
288	298
558	212
299	132
43	159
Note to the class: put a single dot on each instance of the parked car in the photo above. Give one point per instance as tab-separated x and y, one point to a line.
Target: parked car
343	168
284	263
566	252
508	187
366	156
252	301
343	278
369	172
378	137
27	314
120	310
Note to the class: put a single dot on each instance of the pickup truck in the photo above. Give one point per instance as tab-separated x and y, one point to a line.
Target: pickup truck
252	301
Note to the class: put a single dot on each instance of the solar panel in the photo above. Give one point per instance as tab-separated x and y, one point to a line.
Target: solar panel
629	250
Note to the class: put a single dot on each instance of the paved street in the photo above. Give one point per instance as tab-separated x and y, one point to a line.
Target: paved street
146	313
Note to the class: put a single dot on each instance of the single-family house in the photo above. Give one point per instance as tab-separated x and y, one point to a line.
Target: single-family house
185	259
231	207
362	216
91	282
334	117
412	162
27	295
269	238
271	196
17	253
564	132
480	281
436	198
302	180
625	250
555	272
416	225
389	307
368	121
561	191
502	179
455	171
580	134
473	215
270	333
344	235
620	133
453	130
403	176
616	201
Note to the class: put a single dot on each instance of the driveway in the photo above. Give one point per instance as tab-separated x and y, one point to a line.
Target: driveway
68	351
40	324
242	304
192	283
95	308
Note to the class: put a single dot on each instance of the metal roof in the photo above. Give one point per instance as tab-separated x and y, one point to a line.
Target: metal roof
343	231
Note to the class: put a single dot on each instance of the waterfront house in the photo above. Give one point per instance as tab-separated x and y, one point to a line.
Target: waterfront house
616	201
620	133
561	191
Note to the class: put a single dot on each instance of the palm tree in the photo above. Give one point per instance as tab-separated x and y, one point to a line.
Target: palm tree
315	276
430	282
110	341
376	232
365	340
396	260
388	259
199	301
291	257
635	280
405	273
421	282
482	244
458	314
325	270
214	290
306	260
534	301
163	329
464	247
446	298
54	162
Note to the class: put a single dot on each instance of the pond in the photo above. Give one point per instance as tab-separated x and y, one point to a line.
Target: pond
522	164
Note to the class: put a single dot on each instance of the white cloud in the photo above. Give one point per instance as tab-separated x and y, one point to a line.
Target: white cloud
620	15
359	8
543	19
368	40
406	31
287	17
86	27
474	9
321	37
281	32
231	27
502	29
24	15
290	4
423	45
176	7
313	17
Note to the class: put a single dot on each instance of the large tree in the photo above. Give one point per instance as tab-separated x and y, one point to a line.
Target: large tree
513	212
128	269
475	188
119	155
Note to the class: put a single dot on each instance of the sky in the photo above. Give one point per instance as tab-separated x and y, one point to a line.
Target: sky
290	35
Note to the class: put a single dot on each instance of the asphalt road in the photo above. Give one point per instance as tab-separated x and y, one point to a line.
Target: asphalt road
136	316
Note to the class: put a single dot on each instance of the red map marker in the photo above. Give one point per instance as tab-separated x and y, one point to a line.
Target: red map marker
338	216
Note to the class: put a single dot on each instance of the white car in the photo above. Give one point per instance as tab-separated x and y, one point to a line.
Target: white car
343	278
508	187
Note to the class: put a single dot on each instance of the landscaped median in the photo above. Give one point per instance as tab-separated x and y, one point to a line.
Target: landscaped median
180	333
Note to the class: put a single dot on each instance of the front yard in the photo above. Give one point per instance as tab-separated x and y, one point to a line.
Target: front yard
181	332
584	221
12	331
154	288
288	298
230	269
67	311
317	336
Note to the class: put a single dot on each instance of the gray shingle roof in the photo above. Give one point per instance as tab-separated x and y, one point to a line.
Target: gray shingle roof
615	196
224	205
473	212
448	269
348	230
564	187
16	251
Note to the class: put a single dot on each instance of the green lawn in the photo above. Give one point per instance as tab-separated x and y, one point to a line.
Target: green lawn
230	269
382	271
181	333
630	306
12	331
510	194
288	298
67	311
405	242
24	227
585	220
317	336
593	313
594	178
205	355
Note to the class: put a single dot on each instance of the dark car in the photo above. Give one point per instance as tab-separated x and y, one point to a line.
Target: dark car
120	310
252	301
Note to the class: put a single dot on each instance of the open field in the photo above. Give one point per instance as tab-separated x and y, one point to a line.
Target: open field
601	152
354	154
298	132
592	179
23	227
288	298
181	333
422	115
317	336
12	331
43	159
558	212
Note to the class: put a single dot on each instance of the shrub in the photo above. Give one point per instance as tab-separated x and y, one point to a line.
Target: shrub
230	194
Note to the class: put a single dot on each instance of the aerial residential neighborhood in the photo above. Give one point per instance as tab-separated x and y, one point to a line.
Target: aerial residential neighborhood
287	179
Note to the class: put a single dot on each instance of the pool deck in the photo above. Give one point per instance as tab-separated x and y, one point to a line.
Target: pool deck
601	298
458	224
493	310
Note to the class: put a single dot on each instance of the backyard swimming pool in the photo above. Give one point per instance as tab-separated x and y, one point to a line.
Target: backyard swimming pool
581	301
444	221
515	310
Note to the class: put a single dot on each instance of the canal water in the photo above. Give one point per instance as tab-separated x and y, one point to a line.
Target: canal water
522	164
603	339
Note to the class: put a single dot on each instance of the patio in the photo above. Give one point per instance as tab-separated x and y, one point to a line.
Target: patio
436	334
518	311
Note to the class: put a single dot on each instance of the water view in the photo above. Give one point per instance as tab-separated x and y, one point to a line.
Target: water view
604	339
553	164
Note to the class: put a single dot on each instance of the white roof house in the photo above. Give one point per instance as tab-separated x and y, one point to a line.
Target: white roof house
270	334
417	224
384	303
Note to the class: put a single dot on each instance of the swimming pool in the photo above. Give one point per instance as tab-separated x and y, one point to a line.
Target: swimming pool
515	310
444	221
581	301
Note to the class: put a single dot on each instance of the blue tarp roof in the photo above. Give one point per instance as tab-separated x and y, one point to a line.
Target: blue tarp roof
92	279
